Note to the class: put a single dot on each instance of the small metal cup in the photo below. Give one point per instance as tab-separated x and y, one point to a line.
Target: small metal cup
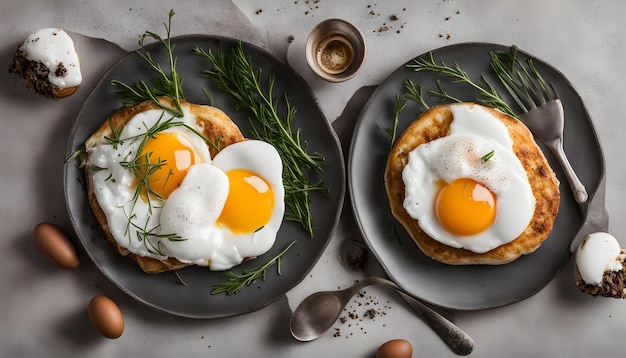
335	50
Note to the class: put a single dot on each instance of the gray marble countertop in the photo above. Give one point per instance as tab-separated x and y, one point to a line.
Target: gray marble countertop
44	310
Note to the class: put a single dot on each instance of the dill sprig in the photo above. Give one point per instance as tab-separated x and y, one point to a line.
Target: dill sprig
167	84
236	281
488	95
271	119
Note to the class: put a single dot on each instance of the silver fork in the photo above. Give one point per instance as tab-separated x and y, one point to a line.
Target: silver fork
543	110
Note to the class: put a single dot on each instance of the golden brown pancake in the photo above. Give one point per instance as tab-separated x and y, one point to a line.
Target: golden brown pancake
435	123
216	126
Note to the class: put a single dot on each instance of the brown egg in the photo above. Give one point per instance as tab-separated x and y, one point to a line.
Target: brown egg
55	246
395	348
106	317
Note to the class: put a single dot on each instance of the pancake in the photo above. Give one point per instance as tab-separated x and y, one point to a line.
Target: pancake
435	123
215	125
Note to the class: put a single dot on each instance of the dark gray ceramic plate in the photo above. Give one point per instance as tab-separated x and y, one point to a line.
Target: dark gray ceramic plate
464	287
161	291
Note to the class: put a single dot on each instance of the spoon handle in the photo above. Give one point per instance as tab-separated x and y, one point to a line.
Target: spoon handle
459	341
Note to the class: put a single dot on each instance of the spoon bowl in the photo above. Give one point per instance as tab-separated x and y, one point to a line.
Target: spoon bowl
318	312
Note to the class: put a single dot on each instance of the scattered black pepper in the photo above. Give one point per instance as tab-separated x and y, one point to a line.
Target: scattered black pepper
363	306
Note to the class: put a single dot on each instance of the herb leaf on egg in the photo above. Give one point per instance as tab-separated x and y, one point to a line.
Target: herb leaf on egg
485	158
271	121
143	165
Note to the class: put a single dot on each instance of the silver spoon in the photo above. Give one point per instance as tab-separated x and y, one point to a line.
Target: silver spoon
318	312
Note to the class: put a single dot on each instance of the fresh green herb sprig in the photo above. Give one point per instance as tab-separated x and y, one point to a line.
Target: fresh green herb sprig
237	281
271	118
167	84
520	78
414	93
179	279
399	107
488	95
485	158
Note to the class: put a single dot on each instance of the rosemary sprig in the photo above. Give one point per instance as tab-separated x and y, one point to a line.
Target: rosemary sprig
488	95
167	84
414	93
443	94
271	119
399	107
236	281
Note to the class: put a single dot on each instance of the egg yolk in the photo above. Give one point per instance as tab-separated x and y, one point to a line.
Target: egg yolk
465	207
163	162
249	204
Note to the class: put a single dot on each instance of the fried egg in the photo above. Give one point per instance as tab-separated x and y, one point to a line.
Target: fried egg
468	189
165	197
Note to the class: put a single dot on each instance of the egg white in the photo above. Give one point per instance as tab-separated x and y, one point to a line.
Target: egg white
183	226
474	132
193	208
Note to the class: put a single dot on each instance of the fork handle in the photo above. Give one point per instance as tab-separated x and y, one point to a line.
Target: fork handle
580	193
